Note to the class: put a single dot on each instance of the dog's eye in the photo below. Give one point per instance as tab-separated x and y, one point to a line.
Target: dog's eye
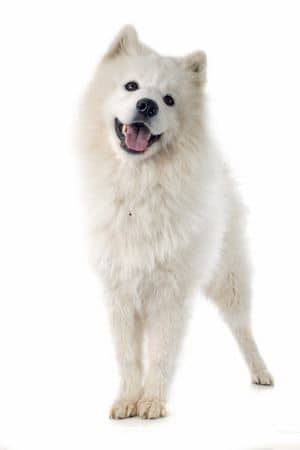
169	100
131	86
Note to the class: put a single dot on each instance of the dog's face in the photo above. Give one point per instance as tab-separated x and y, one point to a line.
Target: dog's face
147	99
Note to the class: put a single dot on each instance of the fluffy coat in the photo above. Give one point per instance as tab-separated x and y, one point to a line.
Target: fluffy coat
163	223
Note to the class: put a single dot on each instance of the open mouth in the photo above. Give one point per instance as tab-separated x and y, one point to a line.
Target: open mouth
135	137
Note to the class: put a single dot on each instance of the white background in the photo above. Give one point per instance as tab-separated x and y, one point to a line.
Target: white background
57	371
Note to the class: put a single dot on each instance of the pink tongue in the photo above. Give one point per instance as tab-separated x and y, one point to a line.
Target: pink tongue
136	138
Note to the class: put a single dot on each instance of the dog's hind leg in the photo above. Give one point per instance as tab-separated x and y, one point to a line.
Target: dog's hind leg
230	290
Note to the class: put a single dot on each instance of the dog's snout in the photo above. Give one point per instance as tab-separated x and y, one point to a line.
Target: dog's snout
147	107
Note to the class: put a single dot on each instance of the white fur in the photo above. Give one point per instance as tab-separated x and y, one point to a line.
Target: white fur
163	223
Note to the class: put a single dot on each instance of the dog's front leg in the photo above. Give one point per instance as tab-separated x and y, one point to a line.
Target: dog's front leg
164	327
127	333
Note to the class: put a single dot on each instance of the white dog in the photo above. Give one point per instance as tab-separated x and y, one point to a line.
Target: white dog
164	216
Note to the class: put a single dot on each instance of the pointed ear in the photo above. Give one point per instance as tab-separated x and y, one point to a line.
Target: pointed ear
195	63
126	42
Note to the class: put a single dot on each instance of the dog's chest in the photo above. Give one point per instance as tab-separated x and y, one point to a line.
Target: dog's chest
140	224
141	217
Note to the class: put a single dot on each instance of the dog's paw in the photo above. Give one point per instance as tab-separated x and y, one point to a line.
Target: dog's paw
151	408
262	378
123	409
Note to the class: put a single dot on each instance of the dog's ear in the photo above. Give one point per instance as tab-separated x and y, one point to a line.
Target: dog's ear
126	42
195	63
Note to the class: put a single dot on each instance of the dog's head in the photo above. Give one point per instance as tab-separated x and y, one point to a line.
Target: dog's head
147	100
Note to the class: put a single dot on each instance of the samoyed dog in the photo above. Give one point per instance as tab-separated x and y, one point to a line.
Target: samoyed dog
164	216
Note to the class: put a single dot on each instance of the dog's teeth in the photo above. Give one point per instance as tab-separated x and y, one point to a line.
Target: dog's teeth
124	129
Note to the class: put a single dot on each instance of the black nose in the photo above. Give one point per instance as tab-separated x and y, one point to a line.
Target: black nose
147	107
